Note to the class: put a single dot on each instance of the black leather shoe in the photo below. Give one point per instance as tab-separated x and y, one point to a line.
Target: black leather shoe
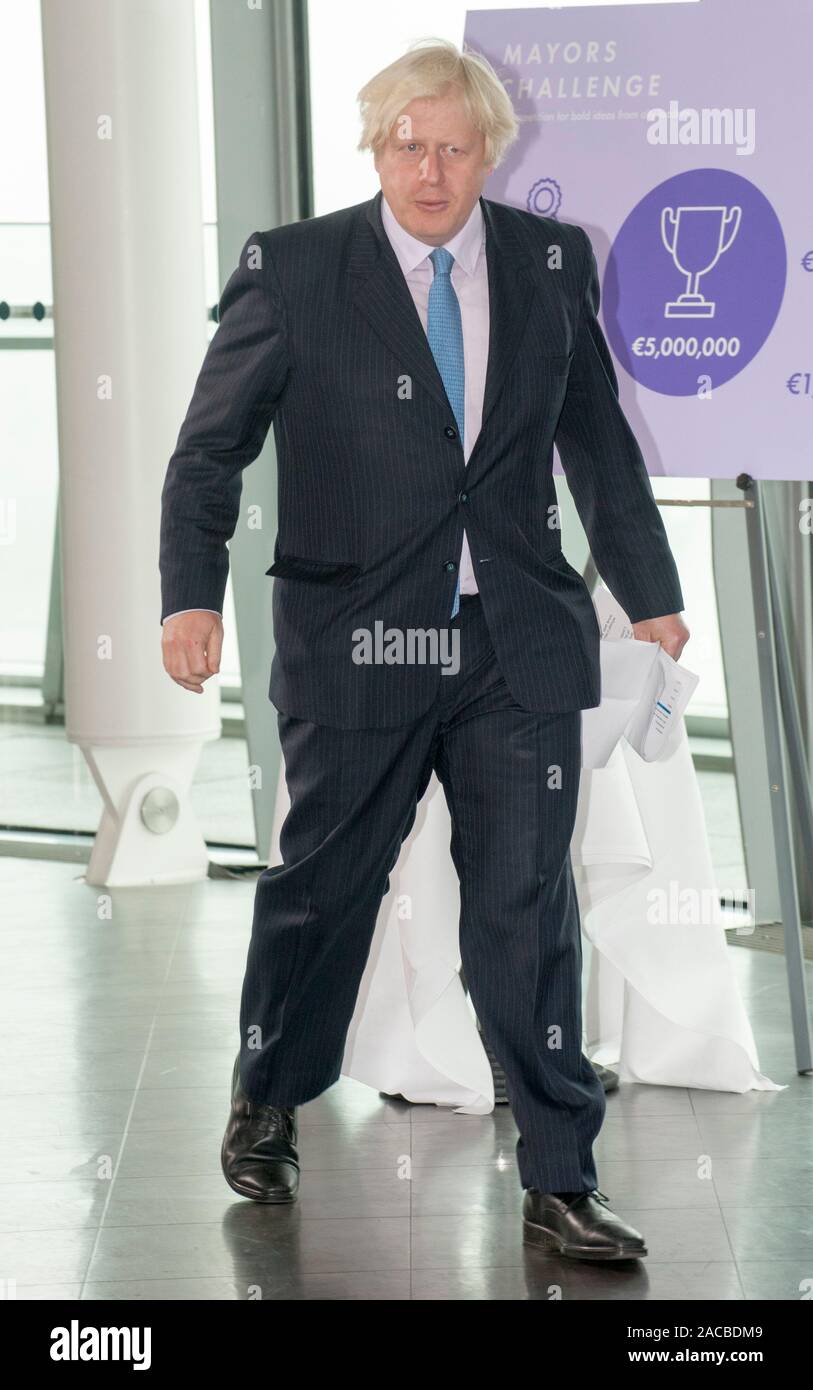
258	1155
580	1226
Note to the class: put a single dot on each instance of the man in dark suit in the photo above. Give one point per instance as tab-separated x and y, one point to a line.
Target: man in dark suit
419	354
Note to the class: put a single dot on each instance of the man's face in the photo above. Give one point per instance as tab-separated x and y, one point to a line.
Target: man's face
432	168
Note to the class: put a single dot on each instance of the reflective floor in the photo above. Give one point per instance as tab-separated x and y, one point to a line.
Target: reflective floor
118	1021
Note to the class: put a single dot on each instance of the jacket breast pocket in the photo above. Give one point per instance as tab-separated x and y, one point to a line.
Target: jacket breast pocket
339	572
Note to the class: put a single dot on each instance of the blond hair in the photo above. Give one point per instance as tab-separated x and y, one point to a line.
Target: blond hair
428	69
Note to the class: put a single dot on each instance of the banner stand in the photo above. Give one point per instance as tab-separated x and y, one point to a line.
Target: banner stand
783	730
783	744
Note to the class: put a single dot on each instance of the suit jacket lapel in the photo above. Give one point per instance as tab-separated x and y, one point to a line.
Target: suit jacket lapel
382	295
510	290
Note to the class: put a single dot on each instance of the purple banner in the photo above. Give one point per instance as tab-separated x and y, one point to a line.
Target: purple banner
680	137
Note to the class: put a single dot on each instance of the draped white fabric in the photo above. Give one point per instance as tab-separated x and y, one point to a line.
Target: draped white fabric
661	997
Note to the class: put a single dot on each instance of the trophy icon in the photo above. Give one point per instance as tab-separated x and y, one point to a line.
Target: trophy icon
696	238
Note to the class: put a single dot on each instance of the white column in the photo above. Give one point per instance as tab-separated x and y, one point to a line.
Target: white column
130	335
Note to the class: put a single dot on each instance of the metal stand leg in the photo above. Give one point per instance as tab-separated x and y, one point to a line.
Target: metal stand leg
774	668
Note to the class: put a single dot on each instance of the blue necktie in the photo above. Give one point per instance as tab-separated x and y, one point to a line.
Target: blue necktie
444	330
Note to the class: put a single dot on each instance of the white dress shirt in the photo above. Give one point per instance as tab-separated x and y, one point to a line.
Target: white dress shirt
470	281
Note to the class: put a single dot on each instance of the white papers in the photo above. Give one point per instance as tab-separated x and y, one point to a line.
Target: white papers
668	691
644	693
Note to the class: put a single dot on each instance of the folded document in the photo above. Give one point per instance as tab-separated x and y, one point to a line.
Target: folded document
644	693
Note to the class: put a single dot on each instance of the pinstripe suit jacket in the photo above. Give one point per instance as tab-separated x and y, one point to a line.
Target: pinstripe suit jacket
318	334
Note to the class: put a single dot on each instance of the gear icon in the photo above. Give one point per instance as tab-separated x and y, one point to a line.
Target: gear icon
545	198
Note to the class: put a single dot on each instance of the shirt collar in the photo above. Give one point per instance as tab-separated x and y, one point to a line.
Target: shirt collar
465	245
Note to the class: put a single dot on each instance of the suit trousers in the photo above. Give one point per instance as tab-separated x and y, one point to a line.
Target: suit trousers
511	780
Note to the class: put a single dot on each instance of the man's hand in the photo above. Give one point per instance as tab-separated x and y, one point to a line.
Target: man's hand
191	644
670	631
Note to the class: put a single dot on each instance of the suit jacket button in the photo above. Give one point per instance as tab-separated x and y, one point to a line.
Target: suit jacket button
450	433
450	565
463	497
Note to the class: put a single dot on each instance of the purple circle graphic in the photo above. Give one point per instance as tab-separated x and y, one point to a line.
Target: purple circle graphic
694	281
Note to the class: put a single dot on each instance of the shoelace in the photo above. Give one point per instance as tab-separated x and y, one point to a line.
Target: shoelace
274	1117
